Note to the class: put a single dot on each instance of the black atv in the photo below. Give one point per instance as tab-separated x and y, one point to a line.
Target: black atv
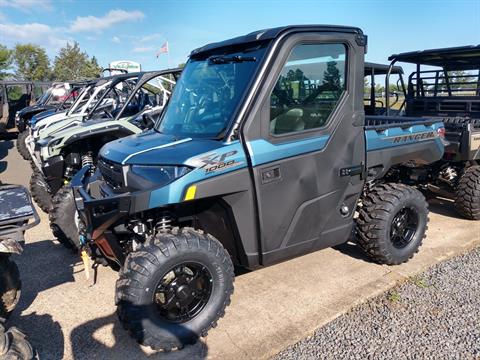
17	214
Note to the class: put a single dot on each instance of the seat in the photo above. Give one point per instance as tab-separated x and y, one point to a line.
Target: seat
290	121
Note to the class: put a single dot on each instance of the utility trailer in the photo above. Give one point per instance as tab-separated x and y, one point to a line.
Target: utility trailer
450	92
263	154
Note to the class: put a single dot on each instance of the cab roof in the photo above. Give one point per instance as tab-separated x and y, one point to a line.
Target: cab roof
461	57
380	69
272	33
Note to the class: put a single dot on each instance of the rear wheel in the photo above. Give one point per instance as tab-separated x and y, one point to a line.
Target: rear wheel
41	191
467	194
64	218
174	289
10	286
22	145
392	223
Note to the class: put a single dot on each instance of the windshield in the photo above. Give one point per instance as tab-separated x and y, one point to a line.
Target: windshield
44	97
209	92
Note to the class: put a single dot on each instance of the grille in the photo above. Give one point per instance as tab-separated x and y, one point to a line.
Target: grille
111	172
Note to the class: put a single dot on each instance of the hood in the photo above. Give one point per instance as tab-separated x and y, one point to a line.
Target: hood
34	109
153	148
43	115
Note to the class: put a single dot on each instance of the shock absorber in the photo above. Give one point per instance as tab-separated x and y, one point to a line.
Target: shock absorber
87	159
165	223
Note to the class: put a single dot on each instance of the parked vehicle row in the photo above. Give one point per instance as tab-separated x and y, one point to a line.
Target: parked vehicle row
262	150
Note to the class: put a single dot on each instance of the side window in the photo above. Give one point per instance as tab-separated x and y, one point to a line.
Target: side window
15	92
308	89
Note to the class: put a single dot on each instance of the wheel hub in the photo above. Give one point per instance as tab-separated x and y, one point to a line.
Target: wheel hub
404	227
183	292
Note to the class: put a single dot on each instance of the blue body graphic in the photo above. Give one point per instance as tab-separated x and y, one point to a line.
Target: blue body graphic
377	140
156	149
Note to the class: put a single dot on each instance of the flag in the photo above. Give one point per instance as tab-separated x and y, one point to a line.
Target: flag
163	49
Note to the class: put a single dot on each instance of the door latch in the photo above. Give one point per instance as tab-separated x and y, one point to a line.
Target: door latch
270	174
352	171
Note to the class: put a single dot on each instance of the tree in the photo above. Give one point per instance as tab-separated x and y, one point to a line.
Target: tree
73	63
31	62
331	77
5	61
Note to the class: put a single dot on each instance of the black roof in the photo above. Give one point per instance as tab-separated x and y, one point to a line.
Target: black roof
461	57
381	69
268	34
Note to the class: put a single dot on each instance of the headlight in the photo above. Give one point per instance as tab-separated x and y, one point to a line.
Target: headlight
55	142
44	142
146	176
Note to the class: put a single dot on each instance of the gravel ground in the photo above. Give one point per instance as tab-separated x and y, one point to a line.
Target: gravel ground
432	316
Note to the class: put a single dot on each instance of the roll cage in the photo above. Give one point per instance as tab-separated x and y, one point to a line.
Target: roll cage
443	82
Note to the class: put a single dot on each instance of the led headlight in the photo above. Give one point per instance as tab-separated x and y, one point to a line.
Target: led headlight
146	176
55	142
44	142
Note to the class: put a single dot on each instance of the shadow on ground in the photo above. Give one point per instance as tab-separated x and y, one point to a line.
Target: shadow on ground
445	207
437	205
87	343
43	265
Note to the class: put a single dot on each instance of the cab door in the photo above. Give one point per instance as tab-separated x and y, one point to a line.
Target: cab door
306	145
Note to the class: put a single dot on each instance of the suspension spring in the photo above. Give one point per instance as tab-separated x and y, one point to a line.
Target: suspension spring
87	160
165	223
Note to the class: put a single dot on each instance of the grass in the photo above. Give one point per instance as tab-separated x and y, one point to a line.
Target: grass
418	281
394	297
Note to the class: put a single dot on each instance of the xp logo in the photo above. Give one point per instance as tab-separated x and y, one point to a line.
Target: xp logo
215	162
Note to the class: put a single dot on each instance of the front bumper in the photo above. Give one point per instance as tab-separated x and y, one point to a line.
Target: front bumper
34	151
97	205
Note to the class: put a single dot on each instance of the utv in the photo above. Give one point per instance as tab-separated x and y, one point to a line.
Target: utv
450	92
14	96
263	154
92	100
17	214
57	98
103	97
66	152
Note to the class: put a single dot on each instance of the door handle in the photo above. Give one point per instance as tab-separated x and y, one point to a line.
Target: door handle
271	174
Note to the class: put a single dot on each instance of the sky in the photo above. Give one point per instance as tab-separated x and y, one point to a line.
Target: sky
135	30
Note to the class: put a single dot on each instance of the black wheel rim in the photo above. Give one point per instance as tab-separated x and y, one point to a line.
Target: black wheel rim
183	292
404	227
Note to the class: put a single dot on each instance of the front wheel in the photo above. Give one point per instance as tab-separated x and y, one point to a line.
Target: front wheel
41	191
392	223
10	286
174	289
64	219
467	194
22	145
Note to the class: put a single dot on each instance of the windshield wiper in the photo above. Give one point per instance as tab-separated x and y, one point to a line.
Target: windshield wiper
230	59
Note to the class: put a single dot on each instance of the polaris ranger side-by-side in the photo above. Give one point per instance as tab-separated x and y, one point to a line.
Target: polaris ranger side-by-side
263	154
450	91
